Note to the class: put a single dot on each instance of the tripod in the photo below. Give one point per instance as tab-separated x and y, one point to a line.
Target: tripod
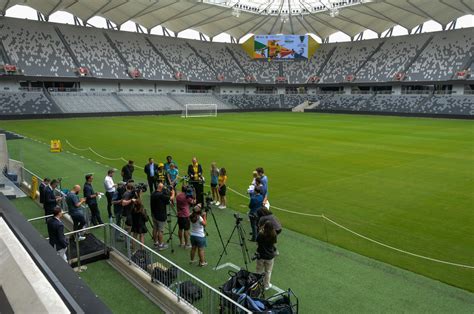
242	243
171	229
209	210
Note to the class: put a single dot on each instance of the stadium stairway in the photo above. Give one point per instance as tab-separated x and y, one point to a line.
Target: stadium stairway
368	59
68	48
321	69
203	59
237	61
418	53
158	52
54	105
119	53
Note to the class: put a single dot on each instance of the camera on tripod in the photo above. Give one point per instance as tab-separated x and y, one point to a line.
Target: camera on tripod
208	201
238	219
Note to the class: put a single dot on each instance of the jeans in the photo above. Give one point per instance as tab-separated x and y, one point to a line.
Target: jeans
78	220
253	225
265	266
95	214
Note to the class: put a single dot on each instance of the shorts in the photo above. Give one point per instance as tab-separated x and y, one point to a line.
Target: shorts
213	185
159	225
184	223
200	242
222	190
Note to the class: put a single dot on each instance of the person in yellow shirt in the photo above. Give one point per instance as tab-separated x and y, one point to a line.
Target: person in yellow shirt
222	180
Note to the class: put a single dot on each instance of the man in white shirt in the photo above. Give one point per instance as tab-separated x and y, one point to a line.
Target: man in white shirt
109	186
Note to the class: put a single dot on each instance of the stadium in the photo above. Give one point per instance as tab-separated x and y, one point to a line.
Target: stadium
359	111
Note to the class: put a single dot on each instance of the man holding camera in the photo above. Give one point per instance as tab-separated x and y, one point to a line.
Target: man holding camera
128	198
91	200
159	201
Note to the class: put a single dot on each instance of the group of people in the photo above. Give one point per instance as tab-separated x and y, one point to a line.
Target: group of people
124	203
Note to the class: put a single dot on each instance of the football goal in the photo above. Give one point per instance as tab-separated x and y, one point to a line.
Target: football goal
199	110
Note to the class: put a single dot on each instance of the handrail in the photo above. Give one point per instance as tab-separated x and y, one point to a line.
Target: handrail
117	228
42	217
85	229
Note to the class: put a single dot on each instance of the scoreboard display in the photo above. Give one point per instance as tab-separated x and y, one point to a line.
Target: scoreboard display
280	47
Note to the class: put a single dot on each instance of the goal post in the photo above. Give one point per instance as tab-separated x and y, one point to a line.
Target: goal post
199	110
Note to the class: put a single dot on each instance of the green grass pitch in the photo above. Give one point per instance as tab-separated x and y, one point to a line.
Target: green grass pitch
406	182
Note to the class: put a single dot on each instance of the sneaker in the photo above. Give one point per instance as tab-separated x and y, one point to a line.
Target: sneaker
188	246
191	262
202	264
217	203
222	207
182	245
81	238
156	244
162	247
269	287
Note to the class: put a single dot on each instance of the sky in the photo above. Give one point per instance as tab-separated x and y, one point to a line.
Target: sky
20	11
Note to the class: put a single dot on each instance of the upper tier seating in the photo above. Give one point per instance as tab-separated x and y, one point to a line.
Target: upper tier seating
139	54
220	59
183	59
19	103
150	102
346	60
35	48
94	51
263	71
393	57
447	53
72	102
298	72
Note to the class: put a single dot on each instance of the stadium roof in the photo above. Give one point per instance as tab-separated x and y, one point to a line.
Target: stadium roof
240	17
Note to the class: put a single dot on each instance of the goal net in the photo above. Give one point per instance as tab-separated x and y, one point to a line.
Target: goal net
199	110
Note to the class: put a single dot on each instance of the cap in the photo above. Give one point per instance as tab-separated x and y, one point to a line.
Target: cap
161	164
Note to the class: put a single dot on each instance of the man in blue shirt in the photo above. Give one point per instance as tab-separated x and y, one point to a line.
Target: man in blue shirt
169	161
75	210
256	201
264	180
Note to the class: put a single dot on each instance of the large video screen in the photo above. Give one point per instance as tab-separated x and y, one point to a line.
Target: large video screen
281	47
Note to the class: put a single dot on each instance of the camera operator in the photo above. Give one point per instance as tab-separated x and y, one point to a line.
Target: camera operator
183	202
128	198
118	208
75	210
198	235
159	201
91	200
256	202
266	252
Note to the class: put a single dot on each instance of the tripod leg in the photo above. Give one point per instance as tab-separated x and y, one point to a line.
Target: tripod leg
243	246
225	247
218	231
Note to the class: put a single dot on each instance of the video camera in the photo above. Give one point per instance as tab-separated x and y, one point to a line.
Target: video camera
139	188
208	201
238	219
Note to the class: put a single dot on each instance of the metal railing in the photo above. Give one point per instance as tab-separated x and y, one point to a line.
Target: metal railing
169	275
